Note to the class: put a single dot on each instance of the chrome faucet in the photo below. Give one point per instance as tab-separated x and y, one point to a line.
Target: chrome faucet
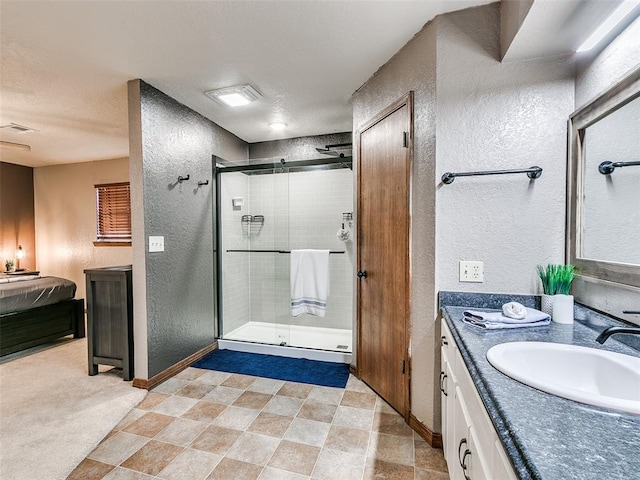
613	330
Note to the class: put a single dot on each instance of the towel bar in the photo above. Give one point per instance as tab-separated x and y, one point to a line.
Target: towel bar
278	251
532	172
607	168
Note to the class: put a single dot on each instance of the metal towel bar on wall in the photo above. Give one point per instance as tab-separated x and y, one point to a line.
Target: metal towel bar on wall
532	172
278	251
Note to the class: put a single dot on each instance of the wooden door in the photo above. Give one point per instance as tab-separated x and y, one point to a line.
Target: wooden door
384	162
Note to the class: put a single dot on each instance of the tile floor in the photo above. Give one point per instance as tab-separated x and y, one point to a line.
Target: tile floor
204	424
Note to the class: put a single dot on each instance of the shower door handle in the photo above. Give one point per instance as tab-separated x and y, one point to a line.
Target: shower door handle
362	274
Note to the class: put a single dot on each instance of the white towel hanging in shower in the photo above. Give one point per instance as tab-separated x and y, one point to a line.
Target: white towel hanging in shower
309	282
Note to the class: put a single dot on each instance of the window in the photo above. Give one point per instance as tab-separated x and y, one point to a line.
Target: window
113	214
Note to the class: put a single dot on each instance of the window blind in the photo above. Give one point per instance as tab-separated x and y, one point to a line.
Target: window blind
113	211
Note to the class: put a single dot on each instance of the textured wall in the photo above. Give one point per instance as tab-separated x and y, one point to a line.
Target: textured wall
65	201
597	73
17	218
474	113
299	148
177	141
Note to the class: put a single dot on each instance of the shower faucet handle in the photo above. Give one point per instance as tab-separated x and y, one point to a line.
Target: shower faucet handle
361	274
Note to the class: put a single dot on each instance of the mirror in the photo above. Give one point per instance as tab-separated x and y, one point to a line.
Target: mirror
603	218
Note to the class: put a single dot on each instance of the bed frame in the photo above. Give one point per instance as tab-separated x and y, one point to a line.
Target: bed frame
29	328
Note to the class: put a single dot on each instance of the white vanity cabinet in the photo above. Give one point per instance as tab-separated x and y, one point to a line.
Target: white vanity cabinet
471	445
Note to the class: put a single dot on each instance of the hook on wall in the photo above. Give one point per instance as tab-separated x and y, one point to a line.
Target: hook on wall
183	179
201	183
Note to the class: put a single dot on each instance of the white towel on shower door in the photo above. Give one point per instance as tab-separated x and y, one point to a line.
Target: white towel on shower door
309	282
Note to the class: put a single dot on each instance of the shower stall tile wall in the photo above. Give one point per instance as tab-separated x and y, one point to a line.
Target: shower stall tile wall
301	209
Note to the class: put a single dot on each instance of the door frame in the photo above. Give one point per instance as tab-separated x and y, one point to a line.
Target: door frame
408	100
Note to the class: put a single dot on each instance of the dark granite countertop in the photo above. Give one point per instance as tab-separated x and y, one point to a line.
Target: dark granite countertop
545	436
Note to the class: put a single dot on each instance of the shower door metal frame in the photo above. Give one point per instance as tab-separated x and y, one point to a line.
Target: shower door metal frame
263	168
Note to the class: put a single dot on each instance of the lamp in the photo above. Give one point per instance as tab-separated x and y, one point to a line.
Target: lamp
19	256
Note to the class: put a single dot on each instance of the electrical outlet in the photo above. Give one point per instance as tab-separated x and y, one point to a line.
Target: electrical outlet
471	271
156	244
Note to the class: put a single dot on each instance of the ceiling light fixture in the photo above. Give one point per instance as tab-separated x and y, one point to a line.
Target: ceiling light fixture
234	96
608	25
14	146
277	125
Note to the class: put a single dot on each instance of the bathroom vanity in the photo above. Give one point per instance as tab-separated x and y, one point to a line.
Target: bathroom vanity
497	428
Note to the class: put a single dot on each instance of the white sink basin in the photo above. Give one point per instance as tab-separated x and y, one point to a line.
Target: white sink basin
587	375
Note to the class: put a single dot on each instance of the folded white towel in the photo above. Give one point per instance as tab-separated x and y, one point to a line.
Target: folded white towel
309	282
494	320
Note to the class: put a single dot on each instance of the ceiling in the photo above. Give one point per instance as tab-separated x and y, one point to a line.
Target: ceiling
65	64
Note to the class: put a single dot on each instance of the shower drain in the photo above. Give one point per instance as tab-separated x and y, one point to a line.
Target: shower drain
342	347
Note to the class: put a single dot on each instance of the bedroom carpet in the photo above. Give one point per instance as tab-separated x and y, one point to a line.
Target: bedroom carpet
52	414
301	370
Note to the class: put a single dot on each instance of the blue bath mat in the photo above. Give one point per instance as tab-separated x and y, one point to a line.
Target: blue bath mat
327	374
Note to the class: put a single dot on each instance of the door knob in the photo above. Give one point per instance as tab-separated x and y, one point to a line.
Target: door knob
362	274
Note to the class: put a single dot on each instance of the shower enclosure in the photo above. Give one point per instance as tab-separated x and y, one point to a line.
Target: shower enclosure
264	210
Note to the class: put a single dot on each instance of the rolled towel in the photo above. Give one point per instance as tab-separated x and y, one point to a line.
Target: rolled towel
514	310
496	319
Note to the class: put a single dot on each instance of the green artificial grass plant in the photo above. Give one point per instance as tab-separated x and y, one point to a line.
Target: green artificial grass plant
556	279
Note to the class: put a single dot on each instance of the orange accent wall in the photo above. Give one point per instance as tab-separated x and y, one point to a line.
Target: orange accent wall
17	217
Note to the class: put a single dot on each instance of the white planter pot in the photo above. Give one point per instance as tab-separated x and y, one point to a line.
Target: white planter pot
562	311
546	304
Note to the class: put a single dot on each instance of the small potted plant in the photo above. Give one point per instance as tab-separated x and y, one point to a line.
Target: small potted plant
556	283
9	265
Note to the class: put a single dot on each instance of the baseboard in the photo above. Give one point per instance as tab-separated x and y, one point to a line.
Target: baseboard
432	438
173	369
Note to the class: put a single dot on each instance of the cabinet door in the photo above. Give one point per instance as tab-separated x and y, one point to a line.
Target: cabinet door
477	467
502	469
443	399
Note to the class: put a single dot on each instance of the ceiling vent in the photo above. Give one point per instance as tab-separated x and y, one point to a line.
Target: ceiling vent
234	96
14	127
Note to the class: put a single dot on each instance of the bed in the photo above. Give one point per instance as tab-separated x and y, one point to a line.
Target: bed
36	310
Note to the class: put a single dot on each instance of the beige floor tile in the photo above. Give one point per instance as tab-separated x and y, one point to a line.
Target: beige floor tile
295	390
429	458
329	395
376	469
175	405
336	465
90	470
131	417
195	390
391	424
280	405
152	458
320	412
391	448
213	378
150	424
253	400
254	448
152	400
295	457
191	465
357	385
266	385
236	417
171	386
384	407
270	424
238	381
366	401
120	473
216	440
204	411
347	439
354	418
118	448
181	432
190	374
421	474
307	431
229	469
224	395
270	473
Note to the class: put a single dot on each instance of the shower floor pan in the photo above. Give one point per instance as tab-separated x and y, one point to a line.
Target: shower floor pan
317	343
